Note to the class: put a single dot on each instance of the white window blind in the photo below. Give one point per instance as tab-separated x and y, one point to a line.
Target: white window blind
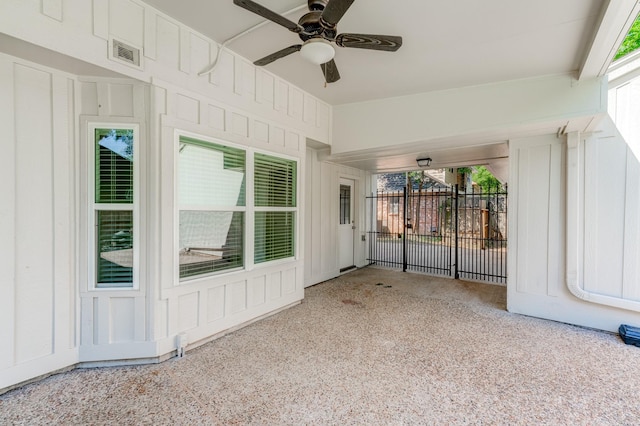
211	196
274	235
113	207
114	166
275	181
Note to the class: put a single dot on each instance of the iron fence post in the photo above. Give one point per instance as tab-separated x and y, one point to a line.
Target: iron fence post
404	234
456	275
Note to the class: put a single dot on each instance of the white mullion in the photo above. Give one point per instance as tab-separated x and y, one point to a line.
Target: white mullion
136	208
201	208
275	209
249	217
113	207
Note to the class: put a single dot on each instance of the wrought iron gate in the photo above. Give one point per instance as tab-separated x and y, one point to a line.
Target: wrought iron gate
440	232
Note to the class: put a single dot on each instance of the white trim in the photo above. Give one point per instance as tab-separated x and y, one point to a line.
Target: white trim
614	24
575	223
351	182
624	70
249	209
93	207
177	135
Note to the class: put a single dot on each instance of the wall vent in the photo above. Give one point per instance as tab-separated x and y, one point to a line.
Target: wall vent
123	52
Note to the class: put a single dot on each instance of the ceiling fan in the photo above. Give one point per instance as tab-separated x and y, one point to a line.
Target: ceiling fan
317	29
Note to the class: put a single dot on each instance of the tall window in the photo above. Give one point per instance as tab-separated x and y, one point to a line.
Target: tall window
211	197
275	207
113	206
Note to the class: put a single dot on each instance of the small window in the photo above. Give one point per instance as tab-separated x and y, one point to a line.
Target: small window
275	193
211	198
394	204
345	204
113	212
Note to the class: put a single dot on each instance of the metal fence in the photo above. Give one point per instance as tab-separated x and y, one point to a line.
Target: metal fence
437	232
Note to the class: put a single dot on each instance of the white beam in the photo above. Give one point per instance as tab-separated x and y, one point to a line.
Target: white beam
464	117
617	18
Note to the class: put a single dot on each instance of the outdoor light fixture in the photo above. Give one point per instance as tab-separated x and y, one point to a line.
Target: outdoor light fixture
424	162
317	51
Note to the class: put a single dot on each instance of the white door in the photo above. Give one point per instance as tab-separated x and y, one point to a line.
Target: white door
347	226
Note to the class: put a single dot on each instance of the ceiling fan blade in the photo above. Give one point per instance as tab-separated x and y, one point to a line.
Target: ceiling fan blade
277	55
335	10
370	41
268	14
330	71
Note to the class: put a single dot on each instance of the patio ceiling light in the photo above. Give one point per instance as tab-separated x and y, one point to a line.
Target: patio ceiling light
424	161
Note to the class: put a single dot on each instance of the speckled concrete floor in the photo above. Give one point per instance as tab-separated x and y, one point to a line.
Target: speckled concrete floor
415	350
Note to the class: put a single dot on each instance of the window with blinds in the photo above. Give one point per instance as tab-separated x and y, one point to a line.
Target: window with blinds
274	232
113	207
275	194
114	166
211	197
274	181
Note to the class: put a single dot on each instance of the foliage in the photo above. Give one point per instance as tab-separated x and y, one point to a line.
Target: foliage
485	179
631	41
418	176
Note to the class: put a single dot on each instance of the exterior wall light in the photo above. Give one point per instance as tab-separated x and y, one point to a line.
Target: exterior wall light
424	162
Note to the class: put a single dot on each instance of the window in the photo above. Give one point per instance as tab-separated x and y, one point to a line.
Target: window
394	205
113	208
215	205
275	205
345	204
211	199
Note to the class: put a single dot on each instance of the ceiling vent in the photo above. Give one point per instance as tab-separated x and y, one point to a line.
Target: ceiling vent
125	53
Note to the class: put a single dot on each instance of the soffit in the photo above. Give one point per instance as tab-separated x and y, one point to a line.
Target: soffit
446	44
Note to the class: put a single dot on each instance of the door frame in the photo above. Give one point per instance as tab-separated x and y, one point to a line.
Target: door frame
352	182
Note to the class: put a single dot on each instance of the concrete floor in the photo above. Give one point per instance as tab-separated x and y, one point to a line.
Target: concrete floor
371	347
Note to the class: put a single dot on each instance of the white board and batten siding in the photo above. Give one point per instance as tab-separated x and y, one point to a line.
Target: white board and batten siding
113	322
207	306
38	305
606	205
322	214
56	319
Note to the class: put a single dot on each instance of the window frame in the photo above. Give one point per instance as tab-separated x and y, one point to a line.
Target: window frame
249	209
178	208
94	207
294	209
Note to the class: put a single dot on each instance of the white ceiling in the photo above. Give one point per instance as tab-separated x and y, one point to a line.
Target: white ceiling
446	44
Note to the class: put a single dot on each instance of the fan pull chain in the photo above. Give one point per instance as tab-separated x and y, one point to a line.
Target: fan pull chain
324	71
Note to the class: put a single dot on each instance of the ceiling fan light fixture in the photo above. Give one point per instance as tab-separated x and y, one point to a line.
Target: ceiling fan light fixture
317	51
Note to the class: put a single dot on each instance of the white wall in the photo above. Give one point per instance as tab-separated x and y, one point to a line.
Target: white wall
205	307
172	52
50	315
322	217
38	297
114	322
573	229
